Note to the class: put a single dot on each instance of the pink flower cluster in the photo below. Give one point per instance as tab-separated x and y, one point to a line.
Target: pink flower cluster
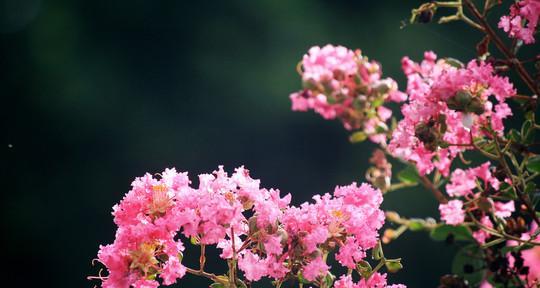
530	257
268	237
448	106
522	21
145	244
344	84
476	187
376	280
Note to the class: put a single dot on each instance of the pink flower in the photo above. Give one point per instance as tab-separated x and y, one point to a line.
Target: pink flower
172	271
481	236
156	211
522	21
447	107
226	246
345	281
461	183
350	253
531	259
503	210
452	212
376	280
146	284
341	83
272	245
316	267
254	269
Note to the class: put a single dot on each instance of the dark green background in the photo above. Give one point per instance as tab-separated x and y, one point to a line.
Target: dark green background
95	93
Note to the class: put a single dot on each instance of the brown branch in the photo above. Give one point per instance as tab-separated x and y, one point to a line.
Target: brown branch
210	276
502	47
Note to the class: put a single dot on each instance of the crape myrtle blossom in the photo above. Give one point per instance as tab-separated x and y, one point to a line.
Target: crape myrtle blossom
449	104
522	21
376	280
529	259
147	223
452	212
271	238
473	186
342	83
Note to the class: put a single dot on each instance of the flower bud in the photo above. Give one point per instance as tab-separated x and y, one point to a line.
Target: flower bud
284	237
426	134
252	225
476	106
460	101
392	216
426	16
389	235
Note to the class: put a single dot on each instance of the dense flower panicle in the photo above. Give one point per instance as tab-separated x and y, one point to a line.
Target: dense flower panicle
270	237
472	185
449	104
344	84
522	21
376	280
349	219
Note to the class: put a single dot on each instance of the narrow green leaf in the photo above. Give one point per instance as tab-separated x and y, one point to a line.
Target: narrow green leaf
514	135
460	233
408	175
358	136
527	132
377	252
533	164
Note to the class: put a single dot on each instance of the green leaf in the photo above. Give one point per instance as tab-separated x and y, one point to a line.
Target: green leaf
527	132
529	116
378	101
217	285
490	148
377	252
515	136
408	175
460	232
453	62
364	268
470	255
331	100
358	136
301	279
533	164
393	266
508	249
530	188
416	224
329	279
